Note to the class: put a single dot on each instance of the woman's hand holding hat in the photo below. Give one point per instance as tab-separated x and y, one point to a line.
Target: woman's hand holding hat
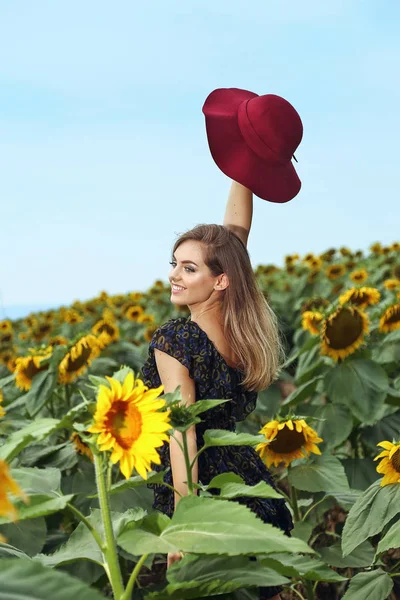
253	139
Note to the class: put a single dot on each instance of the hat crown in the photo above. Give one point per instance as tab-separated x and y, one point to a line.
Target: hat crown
276	122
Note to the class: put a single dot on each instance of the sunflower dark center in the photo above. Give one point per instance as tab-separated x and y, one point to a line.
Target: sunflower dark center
396	460
395	315
124	421
344	329
79	361
31	370
287	441
107	328
359	298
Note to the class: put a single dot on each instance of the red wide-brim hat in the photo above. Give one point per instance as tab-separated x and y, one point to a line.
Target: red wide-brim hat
253	139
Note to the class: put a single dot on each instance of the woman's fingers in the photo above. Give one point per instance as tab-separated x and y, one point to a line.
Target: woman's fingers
173	557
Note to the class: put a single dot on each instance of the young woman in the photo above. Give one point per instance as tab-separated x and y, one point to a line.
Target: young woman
228	348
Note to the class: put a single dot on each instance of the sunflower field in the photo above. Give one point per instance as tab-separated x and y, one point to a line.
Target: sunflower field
80	433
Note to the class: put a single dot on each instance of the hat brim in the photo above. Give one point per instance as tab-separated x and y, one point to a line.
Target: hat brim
275	183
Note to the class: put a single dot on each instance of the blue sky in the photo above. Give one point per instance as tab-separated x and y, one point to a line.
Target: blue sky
102	140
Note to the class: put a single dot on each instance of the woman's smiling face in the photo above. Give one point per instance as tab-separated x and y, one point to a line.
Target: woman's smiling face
191	280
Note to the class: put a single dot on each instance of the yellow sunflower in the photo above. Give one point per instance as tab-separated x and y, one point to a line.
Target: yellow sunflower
314	303
343	332
361	297
26	367
311	321
5	325
359	276
58	340
72	317
148	334
315	264
6	356
6	337
269	269
130	425
133	312
328	255
344	251
376	248
78	358
391	284
395	247
2	411
146	318
308	257
30	321
9	486
108	315
390	320
350	264
90	307
81	447
116	301
334	271
24	336
312	276
390	463
41	331
286	441
108	328
136	296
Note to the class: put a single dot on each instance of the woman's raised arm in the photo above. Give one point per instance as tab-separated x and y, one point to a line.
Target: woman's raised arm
239	211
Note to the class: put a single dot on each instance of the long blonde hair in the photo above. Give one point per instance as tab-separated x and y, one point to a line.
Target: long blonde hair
249	324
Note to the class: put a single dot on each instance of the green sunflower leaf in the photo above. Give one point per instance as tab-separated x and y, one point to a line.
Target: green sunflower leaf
370	513
196	576
36	431
203	405
372	585
334	424
362	556
29	535
361	385
302	393
235	488
321	474
39	506
222	437
301	566
387	428
390	540
206	526
25	579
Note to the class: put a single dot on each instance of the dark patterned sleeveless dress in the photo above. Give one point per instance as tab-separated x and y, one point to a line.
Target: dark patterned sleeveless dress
214	378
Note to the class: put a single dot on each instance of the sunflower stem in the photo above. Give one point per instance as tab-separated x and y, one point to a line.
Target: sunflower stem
67	396
313	506
395	566
294	503
88	524
109	475
132	579
187	461
310	589
110	551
